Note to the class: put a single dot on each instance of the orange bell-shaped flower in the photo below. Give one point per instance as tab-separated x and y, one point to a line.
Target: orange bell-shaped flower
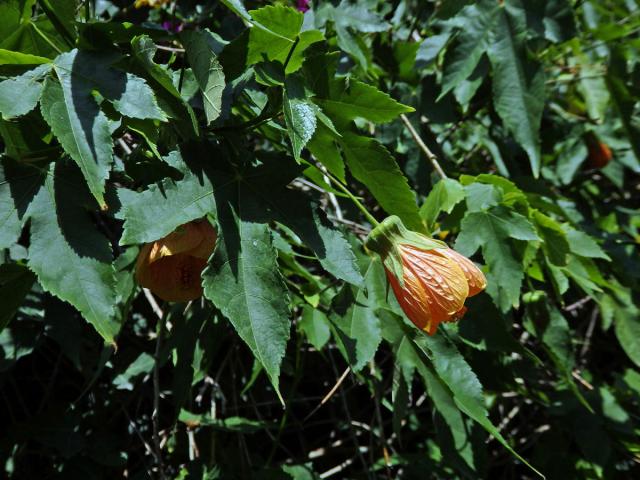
599	152
430	281
171	267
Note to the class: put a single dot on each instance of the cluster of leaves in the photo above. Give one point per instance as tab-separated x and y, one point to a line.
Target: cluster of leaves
119	124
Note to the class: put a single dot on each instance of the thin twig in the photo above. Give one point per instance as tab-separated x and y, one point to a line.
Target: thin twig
428	153
170	49
578	304
345	406
326	398
587	338
152	303
156	398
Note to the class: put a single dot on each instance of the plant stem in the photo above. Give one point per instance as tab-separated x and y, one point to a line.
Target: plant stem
355	201
162	320
429	154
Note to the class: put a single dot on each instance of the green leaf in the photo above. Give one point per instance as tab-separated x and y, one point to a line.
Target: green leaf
71	259
622	99
492	230
353	99
82	129
15	283
309	222
444	195
158	211
459	446
144	50
360	330
584	245
315	325
8	57
324	147
518	85
18	186
243	279
207	70
229	424
627	324
472	42
140	367
29	87
283	26
358	17
554	240
238	8
372	164
299	115
457	375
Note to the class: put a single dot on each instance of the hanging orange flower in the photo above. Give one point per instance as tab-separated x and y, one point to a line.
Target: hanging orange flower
430	280
171	267
599	154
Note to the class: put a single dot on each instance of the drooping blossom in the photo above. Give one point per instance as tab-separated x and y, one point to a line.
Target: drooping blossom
171	267
599	154
430	280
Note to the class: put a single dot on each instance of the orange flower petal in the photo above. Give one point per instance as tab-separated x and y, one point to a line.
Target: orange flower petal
174	278
208	243
434	287
475	278
184	238
409	297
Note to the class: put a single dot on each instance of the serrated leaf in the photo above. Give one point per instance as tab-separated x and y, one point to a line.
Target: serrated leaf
15	283
243	279
29	86
444	195
354	99
82	129
162	208
518	85
238	8
554	240
492	230
472	42
582	244
296	211
458	446
207	70
622	99
283	26
360	330
18	186
372	164
299	115
71	259
455	372
144	50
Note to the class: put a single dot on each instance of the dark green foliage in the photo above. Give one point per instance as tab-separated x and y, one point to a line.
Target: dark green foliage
289	132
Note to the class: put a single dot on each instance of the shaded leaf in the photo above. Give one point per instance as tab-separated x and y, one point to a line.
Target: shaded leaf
372	164
518	86
491	231
207	70
71	259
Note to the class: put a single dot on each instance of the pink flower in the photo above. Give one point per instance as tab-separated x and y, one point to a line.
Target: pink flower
303	5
